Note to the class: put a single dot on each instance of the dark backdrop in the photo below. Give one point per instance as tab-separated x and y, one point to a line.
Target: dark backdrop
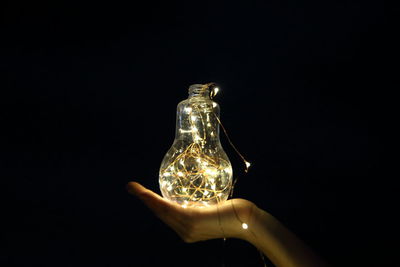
88	98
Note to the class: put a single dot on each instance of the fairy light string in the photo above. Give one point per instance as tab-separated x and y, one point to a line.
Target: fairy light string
196	184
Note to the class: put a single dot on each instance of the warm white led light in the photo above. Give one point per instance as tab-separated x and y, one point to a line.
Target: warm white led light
245	226
211	172
197	138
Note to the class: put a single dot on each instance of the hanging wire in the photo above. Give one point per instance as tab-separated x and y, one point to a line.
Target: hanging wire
214	89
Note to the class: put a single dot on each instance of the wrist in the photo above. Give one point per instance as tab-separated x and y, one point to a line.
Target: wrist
253	226
243	216
260	229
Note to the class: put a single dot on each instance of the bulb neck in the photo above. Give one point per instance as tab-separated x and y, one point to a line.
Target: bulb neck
199	90
197	117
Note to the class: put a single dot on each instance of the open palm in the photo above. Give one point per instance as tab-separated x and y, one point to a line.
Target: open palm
195	224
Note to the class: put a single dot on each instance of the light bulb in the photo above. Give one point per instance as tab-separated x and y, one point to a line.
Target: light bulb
196	170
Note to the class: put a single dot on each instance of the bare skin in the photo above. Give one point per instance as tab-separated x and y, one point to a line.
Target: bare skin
265	232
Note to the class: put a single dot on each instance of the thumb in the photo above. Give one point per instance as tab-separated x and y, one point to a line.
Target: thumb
135	188
154	201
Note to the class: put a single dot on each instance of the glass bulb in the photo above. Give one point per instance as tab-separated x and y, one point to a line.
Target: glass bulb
196	170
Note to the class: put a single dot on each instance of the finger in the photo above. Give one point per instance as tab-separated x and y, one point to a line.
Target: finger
146	195
135	188
161	207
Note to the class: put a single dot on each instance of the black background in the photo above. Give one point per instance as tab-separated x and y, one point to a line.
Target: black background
88	98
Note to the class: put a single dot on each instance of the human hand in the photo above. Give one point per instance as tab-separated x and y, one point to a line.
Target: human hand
194	224
265	232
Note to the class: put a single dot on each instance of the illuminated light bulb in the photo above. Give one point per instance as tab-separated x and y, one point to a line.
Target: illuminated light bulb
245	226
200	171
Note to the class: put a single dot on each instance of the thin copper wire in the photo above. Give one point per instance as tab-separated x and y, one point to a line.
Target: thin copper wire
247	164
233	146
